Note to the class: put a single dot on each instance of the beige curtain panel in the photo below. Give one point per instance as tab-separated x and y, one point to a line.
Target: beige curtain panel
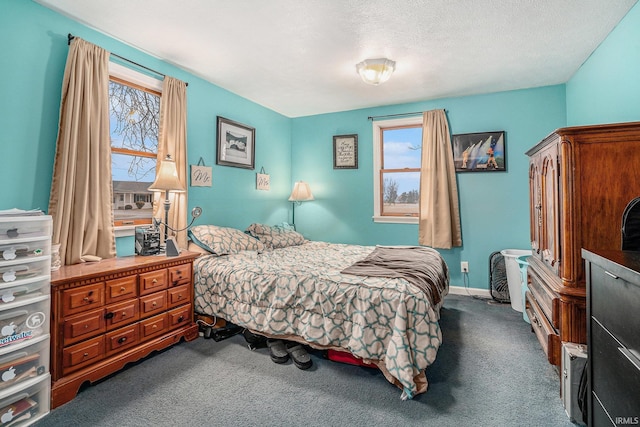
81	193
439	217
172	140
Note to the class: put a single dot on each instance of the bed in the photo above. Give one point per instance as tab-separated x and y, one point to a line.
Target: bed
272	281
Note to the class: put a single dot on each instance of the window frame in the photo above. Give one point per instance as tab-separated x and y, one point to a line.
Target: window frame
378	127
124	75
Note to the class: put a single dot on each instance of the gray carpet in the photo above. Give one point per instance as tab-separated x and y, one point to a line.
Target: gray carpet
490	371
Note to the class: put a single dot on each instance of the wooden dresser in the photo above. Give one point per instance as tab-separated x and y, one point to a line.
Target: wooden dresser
107	314
580	181
613	299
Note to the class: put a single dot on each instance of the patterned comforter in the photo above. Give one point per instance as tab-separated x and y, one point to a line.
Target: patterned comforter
299	292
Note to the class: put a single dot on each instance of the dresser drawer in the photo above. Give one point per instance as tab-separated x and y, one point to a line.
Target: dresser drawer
611	296
81	299
180	275
85	353
25	291
24	363
24	229
615	376
18	270
547	336
154	326
24	250
27	404
153	304
153	281
82	326
121	339
548	301
121	289
122	313
179	295
180	316
24	320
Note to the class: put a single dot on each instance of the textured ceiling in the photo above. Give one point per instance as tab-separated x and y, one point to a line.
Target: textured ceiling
298	57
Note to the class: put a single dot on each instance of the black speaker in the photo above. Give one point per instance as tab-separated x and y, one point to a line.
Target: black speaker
172	248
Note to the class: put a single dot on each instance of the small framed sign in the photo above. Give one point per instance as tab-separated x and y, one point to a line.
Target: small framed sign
345	152
201	174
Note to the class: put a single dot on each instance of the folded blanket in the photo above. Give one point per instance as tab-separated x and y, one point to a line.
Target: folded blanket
419	265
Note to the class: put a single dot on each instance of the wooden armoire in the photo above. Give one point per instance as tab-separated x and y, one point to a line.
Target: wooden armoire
580	181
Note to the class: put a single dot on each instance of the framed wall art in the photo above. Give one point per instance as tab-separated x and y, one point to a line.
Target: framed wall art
480	152
345	152
236	144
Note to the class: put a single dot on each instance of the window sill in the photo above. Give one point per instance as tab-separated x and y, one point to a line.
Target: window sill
125	230
396	219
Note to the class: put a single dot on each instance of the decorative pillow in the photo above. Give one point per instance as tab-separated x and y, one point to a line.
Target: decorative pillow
223	240
277	236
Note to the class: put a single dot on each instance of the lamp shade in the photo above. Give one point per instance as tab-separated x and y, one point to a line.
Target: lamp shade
167	177
375	71
301	192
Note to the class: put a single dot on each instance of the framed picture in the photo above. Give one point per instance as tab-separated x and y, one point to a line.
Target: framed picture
236	144
345	152
479	152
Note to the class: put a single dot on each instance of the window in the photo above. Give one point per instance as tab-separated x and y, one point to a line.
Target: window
397	159
134	114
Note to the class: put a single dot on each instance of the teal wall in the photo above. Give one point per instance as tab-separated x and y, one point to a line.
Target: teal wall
606	89
34	52
494	205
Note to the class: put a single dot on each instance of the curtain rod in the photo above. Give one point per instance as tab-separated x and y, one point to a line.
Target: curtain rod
71	37
397	115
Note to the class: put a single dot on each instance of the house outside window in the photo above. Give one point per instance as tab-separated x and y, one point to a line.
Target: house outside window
397	161
134	113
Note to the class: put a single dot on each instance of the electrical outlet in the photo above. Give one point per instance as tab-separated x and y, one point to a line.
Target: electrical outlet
464	266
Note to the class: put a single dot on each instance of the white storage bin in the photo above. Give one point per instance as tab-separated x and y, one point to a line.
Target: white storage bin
24	320
18	271
25	290
23	361
24	228
24	248
25	403
514	278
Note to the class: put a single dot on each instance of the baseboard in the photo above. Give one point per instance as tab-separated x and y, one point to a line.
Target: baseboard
459	290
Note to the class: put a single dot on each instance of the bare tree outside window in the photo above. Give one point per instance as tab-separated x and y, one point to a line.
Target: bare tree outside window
400	170
134	124
390	191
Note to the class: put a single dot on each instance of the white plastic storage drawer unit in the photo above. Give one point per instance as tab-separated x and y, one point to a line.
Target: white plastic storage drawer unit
25	305
25	403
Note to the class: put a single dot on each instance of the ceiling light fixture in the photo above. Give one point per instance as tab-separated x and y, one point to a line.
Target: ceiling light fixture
375	71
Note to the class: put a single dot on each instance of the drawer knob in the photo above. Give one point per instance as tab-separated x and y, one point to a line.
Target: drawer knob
85	299
124	313
155	326
122	289
154	304
121	340
180	319
86	326
85	355
154	281
179	296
